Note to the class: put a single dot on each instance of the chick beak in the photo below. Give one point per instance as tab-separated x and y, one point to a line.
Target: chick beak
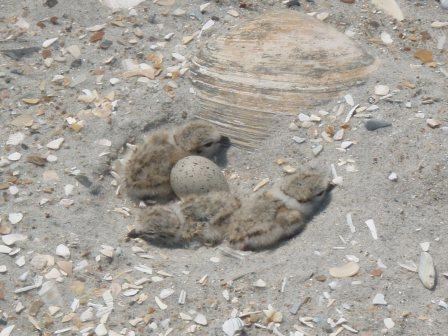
221	156
225	141
133	234
331	186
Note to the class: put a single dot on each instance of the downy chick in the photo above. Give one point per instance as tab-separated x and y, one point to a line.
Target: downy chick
279	213
147	170
199	220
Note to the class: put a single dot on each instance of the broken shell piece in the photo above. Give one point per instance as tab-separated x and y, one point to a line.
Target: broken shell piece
349	269
49	42
316	150
243	83
409	265
272	315
298	140
201	319
261	184
14	156
381	90
386	38
100	330
55	144
389	323
339	135
15	218
5	249
166	293
371	225
426	270
379	299
260	283
433	123
233	326
390	7
11	239
15	139
393	177
159	302
346	144
63	251
7	330
349	100
424	246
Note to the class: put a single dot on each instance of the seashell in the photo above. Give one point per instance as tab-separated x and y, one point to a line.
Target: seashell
347	270
426	270
233	326
270	67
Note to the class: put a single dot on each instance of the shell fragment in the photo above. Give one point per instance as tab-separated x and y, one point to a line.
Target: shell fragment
426	270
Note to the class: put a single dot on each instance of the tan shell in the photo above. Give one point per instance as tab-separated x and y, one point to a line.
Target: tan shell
272	66
347	270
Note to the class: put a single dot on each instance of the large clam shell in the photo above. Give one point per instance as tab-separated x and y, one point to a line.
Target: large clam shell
273	65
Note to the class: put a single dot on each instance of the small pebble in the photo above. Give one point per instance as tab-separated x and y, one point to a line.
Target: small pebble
349	269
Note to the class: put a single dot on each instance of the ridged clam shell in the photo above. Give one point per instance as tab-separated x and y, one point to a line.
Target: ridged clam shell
272	66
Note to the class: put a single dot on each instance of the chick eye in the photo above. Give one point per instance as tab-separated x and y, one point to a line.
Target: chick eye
321	193
208	144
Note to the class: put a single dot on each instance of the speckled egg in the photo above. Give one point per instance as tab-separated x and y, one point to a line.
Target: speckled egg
196	175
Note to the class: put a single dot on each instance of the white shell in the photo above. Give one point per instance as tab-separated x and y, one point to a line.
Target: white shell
196	175
274	65
426	270
233	326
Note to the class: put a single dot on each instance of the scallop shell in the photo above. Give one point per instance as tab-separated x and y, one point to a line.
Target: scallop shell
272	66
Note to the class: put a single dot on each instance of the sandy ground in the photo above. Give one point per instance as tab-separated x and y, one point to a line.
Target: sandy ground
406	212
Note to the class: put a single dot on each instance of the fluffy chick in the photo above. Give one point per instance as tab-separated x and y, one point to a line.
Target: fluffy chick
199	220
279	213
147	169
